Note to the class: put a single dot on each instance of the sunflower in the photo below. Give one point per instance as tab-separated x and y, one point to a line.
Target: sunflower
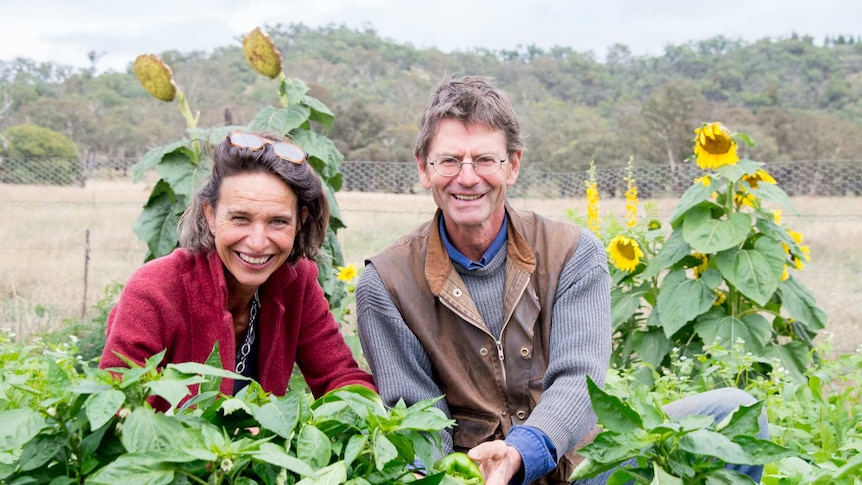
625	253
261	53
714	146
759	176
706	181
156	77
776	216
702	267
346	273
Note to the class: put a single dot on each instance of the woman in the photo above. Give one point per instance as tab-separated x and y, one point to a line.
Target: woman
244	277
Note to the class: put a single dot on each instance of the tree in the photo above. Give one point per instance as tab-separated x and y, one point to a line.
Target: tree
38	155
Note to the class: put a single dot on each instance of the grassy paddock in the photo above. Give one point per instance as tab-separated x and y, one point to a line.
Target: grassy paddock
42	245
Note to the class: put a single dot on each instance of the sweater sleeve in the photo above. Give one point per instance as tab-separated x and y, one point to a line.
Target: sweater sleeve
580	346
140	324
323	356
398	361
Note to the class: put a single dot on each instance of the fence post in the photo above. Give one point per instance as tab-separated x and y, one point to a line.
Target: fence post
86	272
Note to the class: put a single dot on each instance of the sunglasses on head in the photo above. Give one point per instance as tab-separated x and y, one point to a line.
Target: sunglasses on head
285	150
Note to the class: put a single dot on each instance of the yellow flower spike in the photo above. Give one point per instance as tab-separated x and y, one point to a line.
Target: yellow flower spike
625	253
776	216
716	150
156	77
346	273
261	53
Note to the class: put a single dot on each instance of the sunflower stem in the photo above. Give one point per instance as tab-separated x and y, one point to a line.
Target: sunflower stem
191	123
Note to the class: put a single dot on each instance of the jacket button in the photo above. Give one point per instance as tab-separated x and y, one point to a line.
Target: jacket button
525	352
456	292
521	414
483	351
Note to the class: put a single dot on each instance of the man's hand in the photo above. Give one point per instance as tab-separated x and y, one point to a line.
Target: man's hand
498	461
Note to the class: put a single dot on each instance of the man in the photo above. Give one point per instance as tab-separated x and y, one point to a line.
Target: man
503	312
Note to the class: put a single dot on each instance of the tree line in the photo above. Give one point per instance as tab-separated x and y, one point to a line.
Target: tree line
796	99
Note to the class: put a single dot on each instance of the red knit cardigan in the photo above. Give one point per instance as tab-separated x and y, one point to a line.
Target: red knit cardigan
179	303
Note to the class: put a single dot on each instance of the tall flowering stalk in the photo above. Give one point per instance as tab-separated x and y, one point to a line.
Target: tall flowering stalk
722	275
592	200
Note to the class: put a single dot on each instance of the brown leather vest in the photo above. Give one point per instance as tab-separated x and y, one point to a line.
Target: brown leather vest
490	385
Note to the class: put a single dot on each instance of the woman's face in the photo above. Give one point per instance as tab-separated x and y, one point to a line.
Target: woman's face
254	224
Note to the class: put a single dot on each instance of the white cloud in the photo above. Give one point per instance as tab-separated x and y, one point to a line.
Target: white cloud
64	32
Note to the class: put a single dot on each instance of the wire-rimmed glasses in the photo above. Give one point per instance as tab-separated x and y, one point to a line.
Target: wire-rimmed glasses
482	164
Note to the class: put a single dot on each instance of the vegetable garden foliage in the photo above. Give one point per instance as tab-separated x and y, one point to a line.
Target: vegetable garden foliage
182	167
721	275
63	422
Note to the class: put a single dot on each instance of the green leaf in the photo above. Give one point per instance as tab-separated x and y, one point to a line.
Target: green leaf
280	415
321	148
735	172
708	235
157	223
213	383
661	477
276	455
18	426
693	196
147	431
754	272
185	177
134	469
154	157
762	451
726	476
793	357
103	406
172	390
624	305
319	112
312	446
280	120
612	413
681	300
334	474
725	329
671	252
384	451
40	451
652	345
295	89
710	443
355	446
800	304
744	421
774	193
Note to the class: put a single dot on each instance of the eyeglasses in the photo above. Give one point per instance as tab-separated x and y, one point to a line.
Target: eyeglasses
284	150
482	164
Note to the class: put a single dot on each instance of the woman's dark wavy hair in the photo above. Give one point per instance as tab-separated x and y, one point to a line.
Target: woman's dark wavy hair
228	160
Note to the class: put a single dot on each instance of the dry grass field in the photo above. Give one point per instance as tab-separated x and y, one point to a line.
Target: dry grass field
43	245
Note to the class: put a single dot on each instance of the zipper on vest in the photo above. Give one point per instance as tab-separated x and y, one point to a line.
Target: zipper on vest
501	357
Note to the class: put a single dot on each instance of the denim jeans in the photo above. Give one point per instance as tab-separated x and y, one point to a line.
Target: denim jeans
717	403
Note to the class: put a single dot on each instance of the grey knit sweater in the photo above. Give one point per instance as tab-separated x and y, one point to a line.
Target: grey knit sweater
580	340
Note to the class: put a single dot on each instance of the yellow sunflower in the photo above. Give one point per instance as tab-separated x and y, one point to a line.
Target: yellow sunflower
702	267
714	146
706	181
346	273
759	176
625	253
156	77
261	53
776	216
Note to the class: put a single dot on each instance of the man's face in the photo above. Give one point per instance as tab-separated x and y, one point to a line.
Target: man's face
472	203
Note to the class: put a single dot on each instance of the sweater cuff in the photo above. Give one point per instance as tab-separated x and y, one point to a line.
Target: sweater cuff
537	453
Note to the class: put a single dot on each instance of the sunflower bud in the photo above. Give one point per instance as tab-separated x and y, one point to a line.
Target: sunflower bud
156	77
261	53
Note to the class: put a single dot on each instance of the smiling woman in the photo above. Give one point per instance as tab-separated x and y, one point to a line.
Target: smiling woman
243	279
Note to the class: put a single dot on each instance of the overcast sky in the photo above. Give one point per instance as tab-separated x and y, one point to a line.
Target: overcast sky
65	31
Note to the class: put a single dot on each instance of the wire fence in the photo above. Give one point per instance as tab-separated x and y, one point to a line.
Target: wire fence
63	244
827	178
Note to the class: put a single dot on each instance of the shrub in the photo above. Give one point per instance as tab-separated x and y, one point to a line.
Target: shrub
37	155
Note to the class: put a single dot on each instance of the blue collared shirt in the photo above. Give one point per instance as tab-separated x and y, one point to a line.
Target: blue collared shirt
455	255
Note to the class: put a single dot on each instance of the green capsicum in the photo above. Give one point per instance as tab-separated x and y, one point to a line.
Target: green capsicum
460	466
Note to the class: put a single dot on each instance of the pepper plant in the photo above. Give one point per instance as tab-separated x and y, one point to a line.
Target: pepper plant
182	167
62	422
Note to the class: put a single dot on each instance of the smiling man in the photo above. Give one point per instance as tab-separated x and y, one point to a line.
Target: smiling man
504	312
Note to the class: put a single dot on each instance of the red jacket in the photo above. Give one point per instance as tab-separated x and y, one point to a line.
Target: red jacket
179	303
